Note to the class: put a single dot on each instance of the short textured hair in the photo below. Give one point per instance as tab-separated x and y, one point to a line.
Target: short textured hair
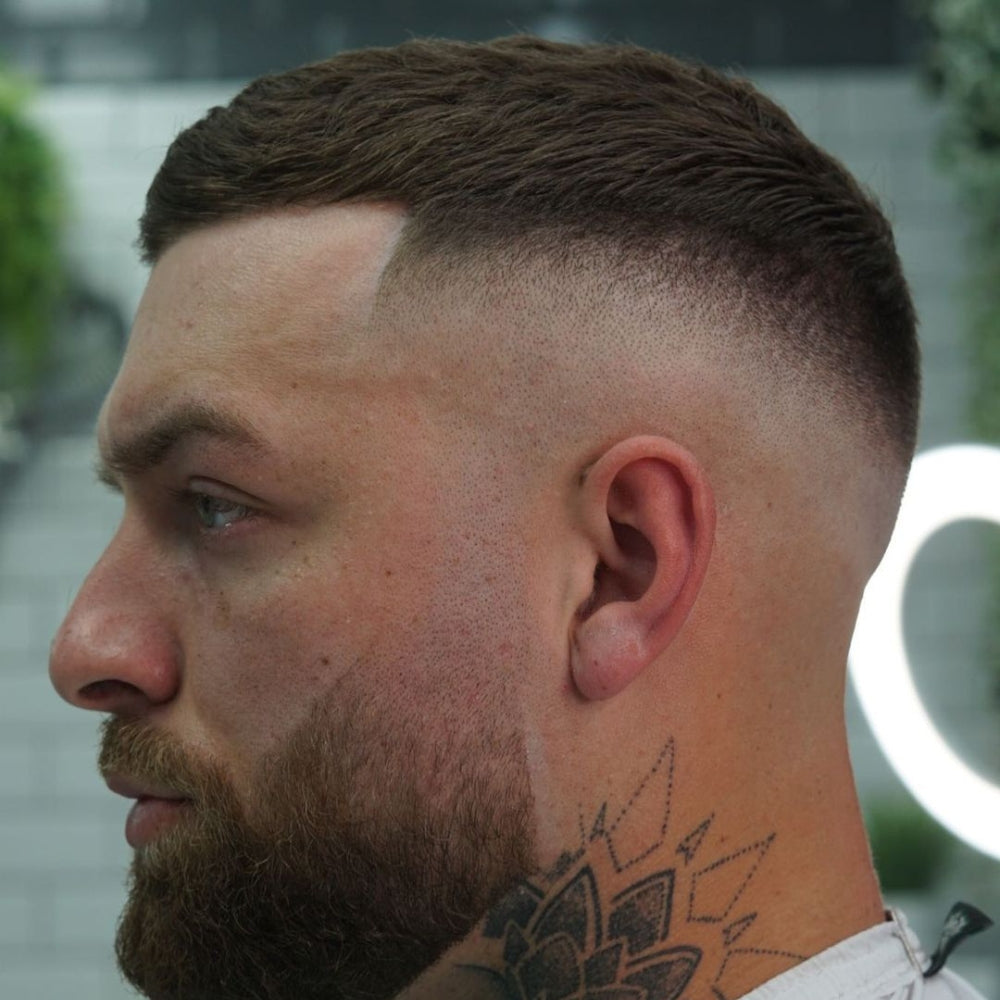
523	142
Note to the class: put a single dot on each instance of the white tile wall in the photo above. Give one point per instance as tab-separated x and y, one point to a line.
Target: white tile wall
62	854
113	139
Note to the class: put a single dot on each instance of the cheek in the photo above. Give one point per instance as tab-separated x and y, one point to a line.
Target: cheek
423	618
254	654
263	648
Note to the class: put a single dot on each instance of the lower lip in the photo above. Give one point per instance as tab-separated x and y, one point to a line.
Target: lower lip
148	818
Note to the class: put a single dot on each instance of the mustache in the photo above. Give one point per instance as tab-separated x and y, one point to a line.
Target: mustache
148	755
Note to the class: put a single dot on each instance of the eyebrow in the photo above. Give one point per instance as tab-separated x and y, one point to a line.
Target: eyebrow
150	447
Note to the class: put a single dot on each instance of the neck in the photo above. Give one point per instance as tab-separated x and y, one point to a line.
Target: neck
700	881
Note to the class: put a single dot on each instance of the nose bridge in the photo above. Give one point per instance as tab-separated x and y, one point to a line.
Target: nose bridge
114	647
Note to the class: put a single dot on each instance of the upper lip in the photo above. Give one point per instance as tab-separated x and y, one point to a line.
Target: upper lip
135	788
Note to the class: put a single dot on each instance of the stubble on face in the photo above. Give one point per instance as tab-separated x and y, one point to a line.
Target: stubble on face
339	878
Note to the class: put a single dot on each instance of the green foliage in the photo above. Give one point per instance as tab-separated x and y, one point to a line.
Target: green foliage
910	849
31	211
965	70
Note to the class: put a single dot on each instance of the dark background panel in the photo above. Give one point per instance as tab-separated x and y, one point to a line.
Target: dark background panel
107	40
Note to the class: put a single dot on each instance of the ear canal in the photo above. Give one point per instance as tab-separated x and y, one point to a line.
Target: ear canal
638	560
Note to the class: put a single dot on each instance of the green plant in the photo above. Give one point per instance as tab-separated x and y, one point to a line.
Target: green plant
31	211
964	64
910	849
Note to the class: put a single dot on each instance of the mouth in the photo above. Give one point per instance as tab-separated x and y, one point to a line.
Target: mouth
156	808
150	817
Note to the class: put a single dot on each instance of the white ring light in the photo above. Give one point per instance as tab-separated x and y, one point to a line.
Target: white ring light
956	483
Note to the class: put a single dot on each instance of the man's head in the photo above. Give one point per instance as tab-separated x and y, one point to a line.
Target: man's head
489	410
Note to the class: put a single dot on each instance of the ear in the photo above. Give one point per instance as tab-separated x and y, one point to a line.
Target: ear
650	518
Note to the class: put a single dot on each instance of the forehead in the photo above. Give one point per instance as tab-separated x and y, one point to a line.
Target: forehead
254	308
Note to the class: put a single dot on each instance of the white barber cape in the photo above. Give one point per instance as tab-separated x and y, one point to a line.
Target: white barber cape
882	963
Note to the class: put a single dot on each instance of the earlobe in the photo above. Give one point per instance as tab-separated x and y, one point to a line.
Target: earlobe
604	660
651	520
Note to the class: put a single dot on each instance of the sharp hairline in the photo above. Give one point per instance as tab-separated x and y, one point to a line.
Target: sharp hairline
151	446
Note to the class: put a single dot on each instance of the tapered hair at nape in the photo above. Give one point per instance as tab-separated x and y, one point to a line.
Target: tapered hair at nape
568	148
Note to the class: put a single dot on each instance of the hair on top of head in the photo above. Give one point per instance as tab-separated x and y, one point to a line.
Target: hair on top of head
528	144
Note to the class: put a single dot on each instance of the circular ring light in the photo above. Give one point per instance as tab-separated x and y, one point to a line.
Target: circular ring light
956	483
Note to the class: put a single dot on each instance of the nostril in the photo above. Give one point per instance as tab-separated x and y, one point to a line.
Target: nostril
101	693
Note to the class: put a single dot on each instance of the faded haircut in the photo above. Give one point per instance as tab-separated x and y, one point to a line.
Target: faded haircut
534	145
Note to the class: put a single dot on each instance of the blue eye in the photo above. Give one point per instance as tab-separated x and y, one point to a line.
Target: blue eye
216	514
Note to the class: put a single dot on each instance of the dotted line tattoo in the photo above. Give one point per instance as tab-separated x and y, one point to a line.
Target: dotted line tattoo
571	941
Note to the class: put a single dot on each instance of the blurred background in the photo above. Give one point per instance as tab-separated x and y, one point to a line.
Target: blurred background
91	93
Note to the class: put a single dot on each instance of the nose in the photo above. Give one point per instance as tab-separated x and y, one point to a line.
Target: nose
115	650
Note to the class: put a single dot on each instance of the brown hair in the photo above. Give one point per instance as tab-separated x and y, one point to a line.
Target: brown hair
514	140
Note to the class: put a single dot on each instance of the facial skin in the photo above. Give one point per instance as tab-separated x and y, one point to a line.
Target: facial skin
416	581
281	630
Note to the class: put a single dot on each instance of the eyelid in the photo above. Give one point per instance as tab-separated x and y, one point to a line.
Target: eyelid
220	491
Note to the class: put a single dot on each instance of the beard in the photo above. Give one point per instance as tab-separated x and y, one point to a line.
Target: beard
348	873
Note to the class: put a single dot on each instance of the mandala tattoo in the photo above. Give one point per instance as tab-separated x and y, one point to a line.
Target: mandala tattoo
570	942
